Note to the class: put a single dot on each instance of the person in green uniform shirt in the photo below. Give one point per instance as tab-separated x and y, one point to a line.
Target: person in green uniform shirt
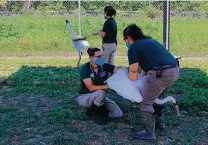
160	71
92	92
109	35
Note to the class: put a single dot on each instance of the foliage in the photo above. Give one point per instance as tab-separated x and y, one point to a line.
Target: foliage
2	4
37	103
151	11
63	77
204	7
121	5
54	5
31	35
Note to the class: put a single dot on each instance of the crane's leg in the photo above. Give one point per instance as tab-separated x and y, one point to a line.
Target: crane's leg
80	57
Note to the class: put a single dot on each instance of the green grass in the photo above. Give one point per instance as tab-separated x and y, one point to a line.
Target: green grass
46	35
37	105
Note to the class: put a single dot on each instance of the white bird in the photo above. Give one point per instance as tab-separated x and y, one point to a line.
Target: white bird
168	99
80	43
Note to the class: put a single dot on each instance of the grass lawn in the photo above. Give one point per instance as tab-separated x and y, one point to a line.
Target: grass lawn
37	105
47	35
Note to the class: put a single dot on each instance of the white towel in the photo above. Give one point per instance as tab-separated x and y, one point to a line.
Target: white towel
129	89
125	87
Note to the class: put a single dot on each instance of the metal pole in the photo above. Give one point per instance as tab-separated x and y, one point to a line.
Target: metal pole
9	7
79	17
28	5
166	23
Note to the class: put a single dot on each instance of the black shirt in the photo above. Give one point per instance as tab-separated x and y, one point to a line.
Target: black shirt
110	29
149	53
97	78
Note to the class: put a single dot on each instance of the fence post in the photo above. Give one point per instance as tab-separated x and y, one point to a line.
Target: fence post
79	2
166	24
8	7
28	5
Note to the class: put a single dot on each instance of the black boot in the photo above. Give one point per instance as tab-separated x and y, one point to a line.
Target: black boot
98	114
160	119
100	110
160	124
149	125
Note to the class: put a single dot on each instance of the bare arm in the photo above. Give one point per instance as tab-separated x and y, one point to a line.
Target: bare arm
89	84
101	33
133	71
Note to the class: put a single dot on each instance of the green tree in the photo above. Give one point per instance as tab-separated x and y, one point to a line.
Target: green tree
2	4
203	7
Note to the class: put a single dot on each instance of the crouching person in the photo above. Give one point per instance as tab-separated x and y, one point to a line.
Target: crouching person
92	95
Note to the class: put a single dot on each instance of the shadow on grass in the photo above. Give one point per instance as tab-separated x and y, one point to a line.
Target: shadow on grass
192	85
44	79
43	99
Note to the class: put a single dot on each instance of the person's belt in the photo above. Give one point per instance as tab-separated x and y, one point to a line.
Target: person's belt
163	67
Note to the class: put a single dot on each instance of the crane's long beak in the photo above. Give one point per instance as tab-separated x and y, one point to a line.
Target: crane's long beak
177	110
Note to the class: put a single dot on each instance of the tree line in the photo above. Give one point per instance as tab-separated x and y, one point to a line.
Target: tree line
197	6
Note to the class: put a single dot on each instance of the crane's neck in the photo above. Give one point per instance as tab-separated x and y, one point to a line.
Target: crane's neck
73	35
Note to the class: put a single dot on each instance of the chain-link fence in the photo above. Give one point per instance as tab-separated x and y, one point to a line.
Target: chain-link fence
38	27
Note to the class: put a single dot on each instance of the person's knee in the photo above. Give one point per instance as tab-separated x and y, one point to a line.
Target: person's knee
101	93
100	98
82	102
119	114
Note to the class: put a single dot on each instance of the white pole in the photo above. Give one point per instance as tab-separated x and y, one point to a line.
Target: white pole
79	17
28	5
167	24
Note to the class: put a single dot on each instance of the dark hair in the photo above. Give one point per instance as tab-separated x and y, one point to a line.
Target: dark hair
106	8
91	51
125	33
111	12
134	32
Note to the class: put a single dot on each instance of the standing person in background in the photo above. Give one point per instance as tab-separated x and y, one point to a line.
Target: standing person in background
160	72
108	35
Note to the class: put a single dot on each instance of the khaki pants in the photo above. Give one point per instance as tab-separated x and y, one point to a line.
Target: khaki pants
109	51
99	98
154	87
